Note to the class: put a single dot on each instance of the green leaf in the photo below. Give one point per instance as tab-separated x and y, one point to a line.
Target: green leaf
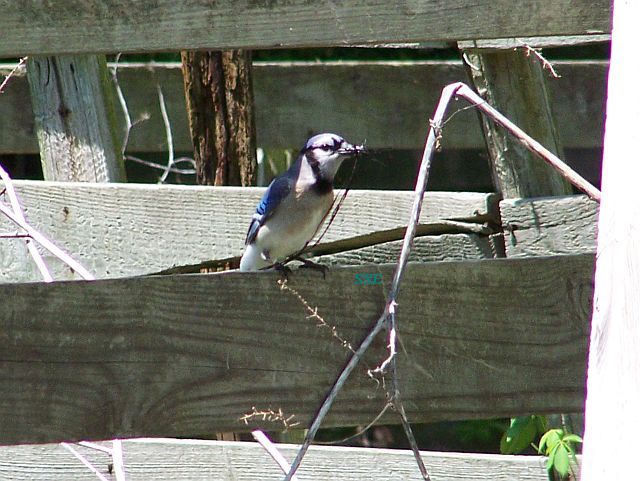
549	441
519	436
561	461
572	438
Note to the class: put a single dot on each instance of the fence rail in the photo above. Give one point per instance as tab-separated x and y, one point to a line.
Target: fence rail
175	356
352	98
142	26
187	460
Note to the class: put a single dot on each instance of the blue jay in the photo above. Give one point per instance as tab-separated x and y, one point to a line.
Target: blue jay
295	204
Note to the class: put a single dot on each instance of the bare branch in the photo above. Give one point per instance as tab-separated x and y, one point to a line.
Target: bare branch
155	165
17	209
271	416
47	244
84	461
270	448
12	73
167	128
546	65
313	314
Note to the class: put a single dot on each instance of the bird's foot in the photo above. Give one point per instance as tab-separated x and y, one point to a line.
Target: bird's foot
283	270
307	264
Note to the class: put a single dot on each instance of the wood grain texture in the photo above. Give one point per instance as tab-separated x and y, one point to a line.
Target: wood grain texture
75	119
120	26
195	460
360	100
547	227
514	82
614	354
127	229
446	247
188	355
534	42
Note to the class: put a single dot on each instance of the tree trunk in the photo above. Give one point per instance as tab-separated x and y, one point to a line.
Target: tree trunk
219	97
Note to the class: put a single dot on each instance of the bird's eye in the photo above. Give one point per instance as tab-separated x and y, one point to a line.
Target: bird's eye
325	147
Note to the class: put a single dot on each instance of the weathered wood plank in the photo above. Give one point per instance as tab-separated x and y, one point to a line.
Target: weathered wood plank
514	82
128	229
187	355
196	460
551	226
446	247
75	118
353	98
119	26
534	42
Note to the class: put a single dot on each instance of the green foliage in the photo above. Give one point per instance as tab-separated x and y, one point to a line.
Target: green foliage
557	444
522	433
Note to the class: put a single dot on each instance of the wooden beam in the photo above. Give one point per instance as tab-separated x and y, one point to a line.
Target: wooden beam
129	229
353	98
75	119
614	354
534	42
189	355
197	460
118	26
514	82
551	226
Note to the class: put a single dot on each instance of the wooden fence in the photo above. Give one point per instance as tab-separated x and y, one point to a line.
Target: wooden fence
138	355
353	98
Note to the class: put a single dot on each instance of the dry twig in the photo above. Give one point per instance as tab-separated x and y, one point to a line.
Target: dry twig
271	416
17	210
270	448
388	315
12	73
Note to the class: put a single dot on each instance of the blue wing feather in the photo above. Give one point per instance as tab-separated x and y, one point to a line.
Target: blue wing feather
273	196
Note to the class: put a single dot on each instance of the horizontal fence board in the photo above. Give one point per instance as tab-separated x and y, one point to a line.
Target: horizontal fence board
446	247
188	355
386	103
195	460
122	26
549	226
131	229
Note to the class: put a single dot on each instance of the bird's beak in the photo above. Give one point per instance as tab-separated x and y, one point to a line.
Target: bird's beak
350	149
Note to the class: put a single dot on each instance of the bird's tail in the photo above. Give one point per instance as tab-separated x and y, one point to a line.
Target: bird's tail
252	259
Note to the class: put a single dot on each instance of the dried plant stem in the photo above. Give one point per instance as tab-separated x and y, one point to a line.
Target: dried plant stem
270	448
17	210
47	244
84	461
12	73
421	185
529	142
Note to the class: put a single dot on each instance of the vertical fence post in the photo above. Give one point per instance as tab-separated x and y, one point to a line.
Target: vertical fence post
219	97
75	118
514	83
613	376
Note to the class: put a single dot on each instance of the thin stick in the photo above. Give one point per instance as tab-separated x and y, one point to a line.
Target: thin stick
84	461
17	209
167	128
12	73
421	184
529	142
155	165
97	447
47	244
118	460
270	448
361	431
